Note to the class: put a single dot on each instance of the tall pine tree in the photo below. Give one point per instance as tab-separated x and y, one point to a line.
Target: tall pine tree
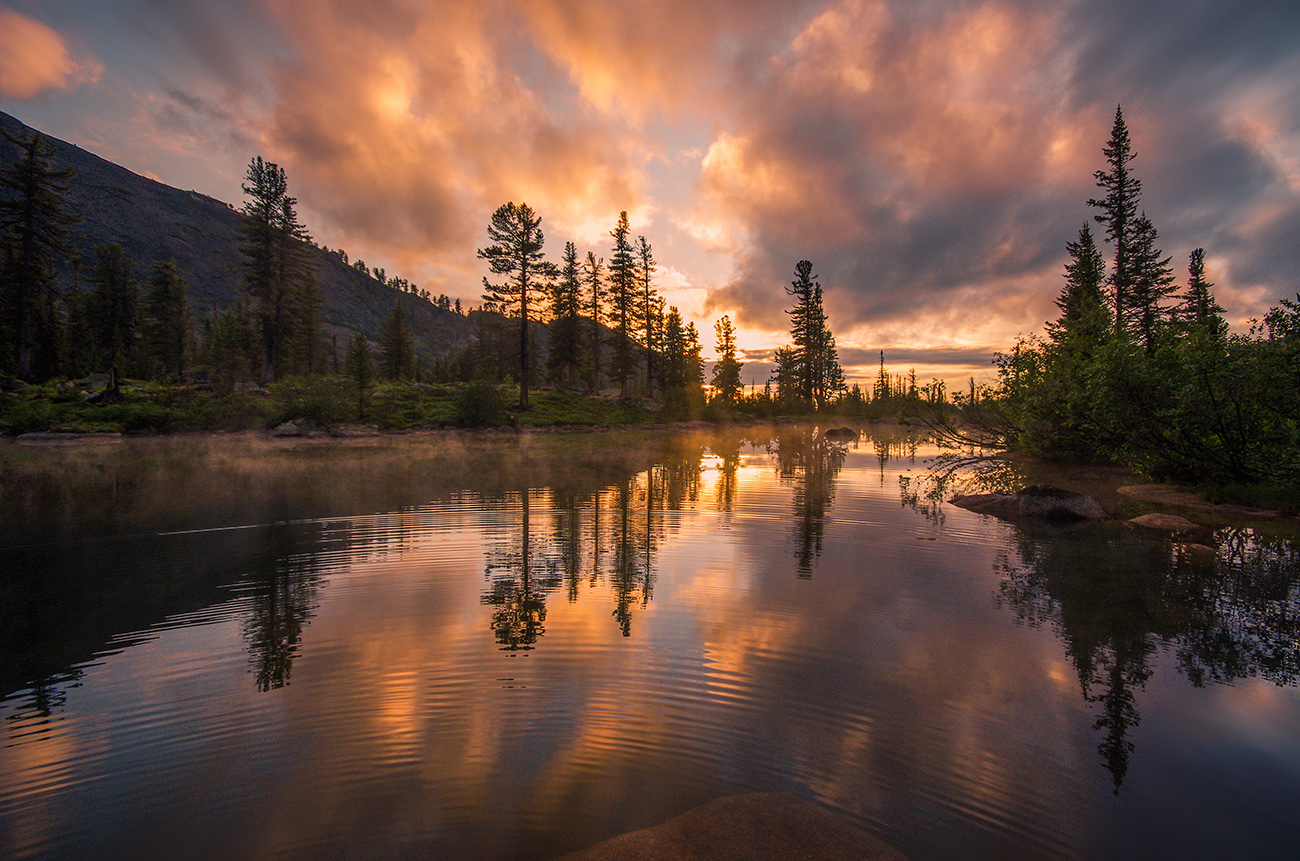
624	306
516	252
278	275
35	232
564	347
1119	207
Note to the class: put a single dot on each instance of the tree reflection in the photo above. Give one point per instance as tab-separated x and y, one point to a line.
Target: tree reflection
811	462
281	591
609	534
519	573
1115	598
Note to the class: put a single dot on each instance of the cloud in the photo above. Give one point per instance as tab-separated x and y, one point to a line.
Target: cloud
933	161
35	59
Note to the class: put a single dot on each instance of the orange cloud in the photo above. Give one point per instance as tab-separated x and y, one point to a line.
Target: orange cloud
34	59
410	124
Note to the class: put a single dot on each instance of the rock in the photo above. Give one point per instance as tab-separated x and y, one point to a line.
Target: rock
10	384
298	427
1170	522
757	827
841	434
1037	501
39	438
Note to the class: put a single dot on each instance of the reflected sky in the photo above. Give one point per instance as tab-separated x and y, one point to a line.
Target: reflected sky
601	633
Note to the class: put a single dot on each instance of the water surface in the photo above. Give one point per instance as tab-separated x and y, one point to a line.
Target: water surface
516	646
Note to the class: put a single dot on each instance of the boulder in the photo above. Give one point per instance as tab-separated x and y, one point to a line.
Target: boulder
1037	502
841	434
1170	522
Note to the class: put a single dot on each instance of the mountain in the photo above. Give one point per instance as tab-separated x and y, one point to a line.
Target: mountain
153	221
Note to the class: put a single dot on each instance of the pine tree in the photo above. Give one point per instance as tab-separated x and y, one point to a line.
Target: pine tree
396	347
811	367
681	371
1118	210
112	308
623	299
166	322
1083	322
516	252
278	275
1152	280
565	345
593	276
359	365
1198	311
726	371
34	234
651	315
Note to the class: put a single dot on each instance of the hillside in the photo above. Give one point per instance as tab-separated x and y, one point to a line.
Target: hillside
153	221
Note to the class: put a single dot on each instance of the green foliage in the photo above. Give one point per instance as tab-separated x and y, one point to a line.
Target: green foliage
166	322
516	252
360	368
808	374
34	234
279	278
396	347
565	345
623	304
726	371
479	404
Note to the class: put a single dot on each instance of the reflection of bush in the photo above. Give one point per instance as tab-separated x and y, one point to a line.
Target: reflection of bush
479	404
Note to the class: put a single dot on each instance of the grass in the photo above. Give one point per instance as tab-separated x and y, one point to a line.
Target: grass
328	401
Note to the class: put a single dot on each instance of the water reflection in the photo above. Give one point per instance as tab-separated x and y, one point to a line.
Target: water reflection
280	591
1115	599
809	462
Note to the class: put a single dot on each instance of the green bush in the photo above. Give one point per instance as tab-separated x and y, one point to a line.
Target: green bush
479	404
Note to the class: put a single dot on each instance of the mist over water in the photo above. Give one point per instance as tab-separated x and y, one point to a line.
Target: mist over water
515	646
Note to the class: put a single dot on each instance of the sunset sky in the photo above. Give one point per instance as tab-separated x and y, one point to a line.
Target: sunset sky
931	158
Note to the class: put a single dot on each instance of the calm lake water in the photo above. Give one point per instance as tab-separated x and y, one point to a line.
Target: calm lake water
512	647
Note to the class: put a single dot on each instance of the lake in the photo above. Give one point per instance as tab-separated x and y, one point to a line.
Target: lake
506	646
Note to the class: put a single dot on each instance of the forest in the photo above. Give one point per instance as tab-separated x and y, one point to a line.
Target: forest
1136	369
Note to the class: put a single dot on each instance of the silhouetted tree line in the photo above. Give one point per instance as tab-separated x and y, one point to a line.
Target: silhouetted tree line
1135	369
108	320
606	322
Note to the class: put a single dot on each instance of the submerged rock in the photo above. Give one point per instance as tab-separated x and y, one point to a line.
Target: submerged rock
1037	501
1171	522
844	434
757	827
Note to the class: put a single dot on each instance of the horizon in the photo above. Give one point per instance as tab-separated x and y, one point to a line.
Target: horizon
932	165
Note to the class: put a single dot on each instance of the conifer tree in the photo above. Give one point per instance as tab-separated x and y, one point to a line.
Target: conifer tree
593	275
278	275
396	347
1152	280
623	299
651	314
564	349
1083	322
112	309
811	367
34	234
1199	312
726	371
1119	209
359	365
166	322
516	252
